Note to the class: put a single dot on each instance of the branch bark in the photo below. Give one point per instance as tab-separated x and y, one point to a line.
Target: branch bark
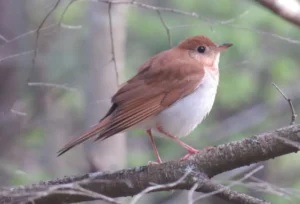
129	182
288	10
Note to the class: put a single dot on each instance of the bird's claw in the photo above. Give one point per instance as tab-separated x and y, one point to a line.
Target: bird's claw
153	163
194	151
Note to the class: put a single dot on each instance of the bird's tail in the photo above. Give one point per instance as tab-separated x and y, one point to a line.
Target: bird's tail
94	131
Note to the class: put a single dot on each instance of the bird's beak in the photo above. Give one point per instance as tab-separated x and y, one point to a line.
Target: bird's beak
223	46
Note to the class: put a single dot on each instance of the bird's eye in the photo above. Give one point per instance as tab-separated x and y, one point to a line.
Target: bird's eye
201	49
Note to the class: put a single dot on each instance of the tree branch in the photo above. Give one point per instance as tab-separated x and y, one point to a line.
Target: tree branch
129	182
288	10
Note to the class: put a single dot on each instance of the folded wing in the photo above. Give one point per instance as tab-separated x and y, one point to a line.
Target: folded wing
159	83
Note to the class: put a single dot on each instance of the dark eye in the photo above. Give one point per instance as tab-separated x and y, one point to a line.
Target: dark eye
201	49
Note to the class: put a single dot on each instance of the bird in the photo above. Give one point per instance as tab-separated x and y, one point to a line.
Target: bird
169	96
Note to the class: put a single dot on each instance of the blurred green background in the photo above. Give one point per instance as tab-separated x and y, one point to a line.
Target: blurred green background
68	88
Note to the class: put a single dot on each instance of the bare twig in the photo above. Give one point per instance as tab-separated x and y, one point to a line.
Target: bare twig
240	121
18	112
27	33
294	115
288	142
288	9
172	10
293	118
41	28
155	8
97	196
162	9
58	86
38	31
252	30
60	22
17	55
205	19
261	185
248	175
73	189
158	187
149	7
166	28
191	193
112	43
3	38
64	11
232	196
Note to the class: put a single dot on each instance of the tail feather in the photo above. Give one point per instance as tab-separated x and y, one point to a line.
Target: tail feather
94	131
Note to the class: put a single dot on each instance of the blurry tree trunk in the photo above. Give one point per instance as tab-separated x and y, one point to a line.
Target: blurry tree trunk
57	120
102	84
60	127
13	76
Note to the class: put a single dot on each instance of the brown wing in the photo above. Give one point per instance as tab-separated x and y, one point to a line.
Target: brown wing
159	83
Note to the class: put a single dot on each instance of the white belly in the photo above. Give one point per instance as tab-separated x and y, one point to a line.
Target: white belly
184	115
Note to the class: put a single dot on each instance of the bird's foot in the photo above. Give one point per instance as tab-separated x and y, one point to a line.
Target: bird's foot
193	151
153	163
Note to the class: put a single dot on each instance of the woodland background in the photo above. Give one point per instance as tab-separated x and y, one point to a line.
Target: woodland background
67	87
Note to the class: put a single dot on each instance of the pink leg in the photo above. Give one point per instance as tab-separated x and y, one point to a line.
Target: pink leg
154	148
190	149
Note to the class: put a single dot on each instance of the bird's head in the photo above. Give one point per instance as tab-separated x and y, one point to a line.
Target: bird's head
203	49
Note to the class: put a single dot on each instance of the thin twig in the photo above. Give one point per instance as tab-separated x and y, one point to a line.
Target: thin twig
17	55
75	189
64	11
40	28
238	27
97	195
60	22
231	185
288	142
112	43
162	9
267	187
232	196
157	187
50	85
155	8
206	20
3	38
38	31
294	115
166	27
191	193
28	33
18	112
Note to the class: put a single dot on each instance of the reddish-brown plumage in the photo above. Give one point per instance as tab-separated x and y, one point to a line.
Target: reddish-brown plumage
193	43
164	79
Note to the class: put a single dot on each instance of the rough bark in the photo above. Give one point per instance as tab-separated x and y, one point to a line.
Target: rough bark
129	182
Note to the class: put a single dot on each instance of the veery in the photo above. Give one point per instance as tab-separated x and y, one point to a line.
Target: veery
170	95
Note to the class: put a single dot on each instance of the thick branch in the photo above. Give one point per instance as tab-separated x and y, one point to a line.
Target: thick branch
288	10
130	182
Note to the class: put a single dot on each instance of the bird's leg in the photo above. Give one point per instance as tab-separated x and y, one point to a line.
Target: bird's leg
154	148
190	149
